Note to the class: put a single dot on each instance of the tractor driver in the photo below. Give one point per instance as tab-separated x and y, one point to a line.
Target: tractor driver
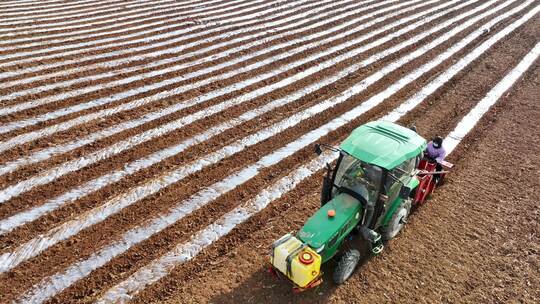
361	179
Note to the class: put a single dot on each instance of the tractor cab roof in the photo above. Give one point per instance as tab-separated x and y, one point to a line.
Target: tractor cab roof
384	144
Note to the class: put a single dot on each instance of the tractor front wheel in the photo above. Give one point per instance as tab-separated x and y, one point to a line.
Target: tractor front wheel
346	265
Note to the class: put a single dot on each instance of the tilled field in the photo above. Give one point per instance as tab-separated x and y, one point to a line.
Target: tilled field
153	150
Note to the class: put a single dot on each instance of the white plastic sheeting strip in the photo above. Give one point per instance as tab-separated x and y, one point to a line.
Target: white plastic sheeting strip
71	48
40	5
280	25
54	173
23	138
18	219
74	33
47	153
58	282
325	7
468	122
184	252
83	11
96	215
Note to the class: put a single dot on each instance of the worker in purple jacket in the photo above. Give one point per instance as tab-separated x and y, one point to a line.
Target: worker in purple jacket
435	151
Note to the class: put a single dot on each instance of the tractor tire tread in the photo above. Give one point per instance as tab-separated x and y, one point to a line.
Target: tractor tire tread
348	260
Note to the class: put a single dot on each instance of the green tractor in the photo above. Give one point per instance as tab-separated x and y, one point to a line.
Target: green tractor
379	175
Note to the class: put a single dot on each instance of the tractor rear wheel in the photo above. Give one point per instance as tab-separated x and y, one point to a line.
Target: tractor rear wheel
346	265
398	220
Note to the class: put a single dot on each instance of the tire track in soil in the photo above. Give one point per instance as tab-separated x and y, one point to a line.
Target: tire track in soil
281	140
215	142
391	276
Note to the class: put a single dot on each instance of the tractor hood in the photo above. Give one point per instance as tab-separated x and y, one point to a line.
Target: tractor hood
321	228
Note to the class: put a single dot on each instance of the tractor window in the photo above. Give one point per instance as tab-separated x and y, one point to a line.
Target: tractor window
399	172
358	176
408	165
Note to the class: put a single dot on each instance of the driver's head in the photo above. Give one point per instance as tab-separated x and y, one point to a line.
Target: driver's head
437	142
359	172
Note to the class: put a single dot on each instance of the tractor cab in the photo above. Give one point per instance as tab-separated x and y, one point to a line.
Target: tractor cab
383	154
379	174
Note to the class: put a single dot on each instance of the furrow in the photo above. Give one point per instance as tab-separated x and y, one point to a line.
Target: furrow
282	24
68	25
63	231
83	11
48	130
12	222
184	252
77	164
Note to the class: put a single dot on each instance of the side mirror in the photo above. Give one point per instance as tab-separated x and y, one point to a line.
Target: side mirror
318	149
404	192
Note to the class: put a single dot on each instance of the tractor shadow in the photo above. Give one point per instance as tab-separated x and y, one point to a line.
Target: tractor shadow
264	287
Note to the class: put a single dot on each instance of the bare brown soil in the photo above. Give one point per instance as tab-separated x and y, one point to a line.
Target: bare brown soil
464	246
476	241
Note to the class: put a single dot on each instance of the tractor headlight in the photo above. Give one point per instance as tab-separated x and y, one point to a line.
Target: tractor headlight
320	249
